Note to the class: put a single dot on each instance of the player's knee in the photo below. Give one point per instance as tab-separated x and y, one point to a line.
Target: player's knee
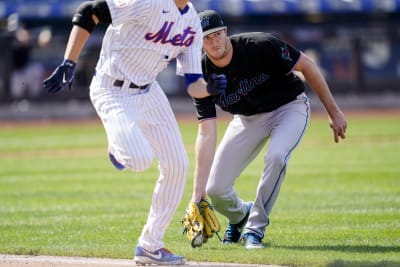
275	158
221	199
215	191
139	164
176	166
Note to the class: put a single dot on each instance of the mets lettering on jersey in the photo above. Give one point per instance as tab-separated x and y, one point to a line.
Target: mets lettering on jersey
184	39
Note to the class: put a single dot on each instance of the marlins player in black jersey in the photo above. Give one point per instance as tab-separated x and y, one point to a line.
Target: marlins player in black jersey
268	102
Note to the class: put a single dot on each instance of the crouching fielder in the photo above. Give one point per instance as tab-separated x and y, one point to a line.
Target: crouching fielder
268	103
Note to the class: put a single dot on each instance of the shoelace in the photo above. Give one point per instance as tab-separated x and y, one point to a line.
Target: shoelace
166	251
230	231
253	238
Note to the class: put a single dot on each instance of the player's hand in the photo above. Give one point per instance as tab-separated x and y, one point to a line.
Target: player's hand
216	84
61	78
339	125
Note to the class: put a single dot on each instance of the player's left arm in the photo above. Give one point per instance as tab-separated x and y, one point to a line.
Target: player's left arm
318	84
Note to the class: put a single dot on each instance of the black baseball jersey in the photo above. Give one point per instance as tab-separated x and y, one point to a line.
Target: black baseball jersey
259	76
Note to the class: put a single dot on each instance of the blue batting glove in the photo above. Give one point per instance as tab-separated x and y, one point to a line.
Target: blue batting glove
61	78
216	84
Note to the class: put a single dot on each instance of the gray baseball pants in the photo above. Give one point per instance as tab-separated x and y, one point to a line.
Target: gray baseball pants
242	142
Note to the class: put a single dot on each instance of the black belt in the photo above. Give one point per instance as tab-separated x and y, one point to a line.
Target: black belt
119	83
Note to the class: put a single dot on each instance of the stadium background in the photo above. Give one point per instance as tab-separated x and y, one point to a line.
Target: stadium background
356	43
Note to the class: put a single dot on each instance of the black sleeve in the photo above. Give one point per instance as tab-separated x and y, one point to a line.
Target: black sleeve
286	56
83	15
102	11
205	108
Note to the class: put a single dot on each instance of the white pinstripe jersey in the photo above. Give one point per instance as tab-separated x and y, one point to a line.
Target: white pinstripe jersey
145	35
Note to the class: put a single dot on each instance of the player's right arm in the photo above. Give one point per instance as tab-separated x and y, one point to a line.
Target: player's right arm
206	142
205	145
87	16
76	41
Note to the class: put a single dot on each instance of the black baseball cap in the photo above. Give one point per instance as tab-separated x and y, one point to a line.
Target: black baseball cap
211	22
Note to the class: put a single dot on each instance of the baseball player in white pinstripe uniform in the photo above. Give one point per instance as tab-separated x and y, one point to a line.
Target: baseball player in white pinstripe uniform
141	39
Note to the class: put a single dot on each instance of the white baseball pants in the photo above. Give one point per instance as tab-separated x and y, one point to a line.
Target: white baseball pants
140	126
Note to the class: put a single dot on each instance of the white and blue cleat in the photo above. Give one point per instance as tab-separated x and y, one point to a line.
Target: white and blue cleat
161	256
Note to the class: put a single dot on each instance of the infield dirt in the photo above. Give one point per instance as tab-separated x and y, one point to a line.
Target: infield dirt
53	261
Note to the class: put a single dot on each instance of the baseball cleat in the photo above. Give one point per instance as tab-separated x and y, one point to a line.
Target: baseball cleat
252	241
234	231
161	256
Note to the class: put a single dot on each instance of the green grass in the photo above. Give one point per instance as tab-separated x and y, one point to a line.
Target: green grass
339	204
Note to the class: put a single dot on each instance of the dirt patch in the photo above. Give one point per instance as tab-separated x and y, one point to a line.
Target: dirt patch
53	261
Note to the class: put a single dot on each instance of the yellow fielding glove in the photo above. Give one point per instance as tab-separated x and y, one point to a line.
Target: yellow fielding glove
193	224
211	222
